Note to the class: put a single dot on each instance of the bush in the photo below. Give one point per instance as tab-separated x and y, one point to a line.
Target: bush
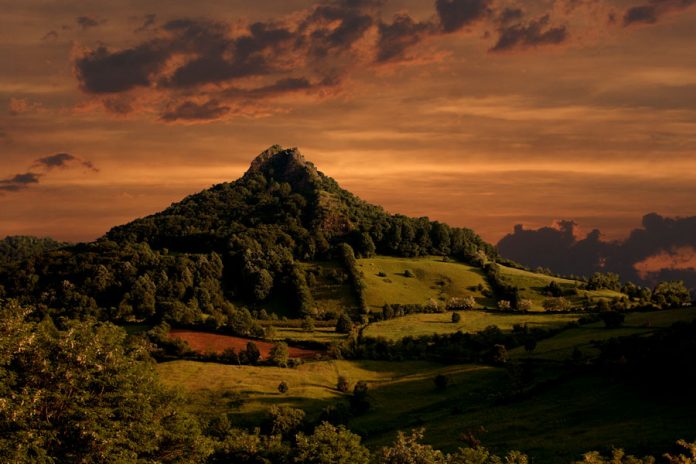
308	324
456	318
441	381
360	401
613	319
283	420
409	273
344	324
343	385
283	387
279	354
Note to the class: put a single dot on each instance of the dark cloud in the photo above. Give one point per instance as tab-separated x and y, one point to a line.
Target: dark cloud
148	21
19	182
647	255
50	35
651	12
220	58
534	33
456	14
61	161
45	164
323	37
86	22
192	111
118	105
508	15
104	71
401	34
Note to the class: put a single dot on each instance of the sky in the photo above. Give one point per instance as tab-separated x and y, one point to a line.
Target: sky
478	113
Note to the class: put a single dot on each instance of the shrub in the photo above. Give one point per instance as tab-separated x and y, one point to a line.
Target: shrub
456	318
279	354
308	324
343	385
409	273
344	324
283	387
441	381
612	319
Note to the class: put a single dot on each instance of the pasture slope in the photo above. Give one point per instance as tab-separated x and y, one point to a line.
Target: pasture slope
532	285
432	278
415	325
554	422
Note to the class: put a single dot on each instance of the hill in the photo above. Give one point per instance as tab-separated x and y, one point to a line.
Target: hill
242	244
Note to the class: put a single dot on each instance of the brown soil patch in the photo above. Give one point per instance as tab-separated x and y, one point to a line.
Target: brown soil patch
204	342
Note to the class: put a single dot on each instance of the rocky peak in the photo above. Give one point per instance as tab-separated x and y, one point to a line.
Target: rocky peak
284	165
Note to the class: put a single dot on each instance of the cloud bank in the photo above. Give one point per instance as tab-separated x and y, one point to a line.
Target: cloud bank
663	248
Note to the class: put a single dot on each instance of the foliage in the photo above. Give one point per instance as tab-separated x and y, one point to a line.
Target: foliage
344	324
84	393
330	445
279	354
285	421
408	449
456	318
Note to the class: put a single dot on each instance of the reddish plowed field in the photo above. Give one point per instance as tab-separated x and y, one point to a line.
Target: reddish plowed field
203	342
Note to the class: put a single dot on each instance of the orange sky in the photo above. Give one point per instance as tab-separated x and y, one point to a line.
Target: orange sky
480	113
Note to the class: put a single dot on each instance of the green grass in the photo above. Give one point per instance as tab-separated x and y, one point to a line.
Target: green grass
472	321
532	285
554	423
433	279
561	346
320	334
329	294
246	392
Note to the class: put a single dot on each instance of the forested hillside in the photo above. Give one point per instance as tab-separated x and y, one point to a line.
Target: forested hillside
233	246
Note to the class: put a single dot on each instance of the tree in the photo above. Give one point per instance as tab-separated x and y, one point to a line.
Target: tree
308	324
524	305
530	345
441	381
283	420
283	387
407	449
671	294
343	385
360	401
499	354
456	318
344	324
279	354
330	445
504	305
612	319
86	394
252	353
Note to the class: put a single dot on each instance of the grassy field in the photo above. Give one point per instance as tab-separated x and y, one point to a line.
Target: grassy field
319	334
561	346
330	294
554	423
246	392
433	279
472	321
532	285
